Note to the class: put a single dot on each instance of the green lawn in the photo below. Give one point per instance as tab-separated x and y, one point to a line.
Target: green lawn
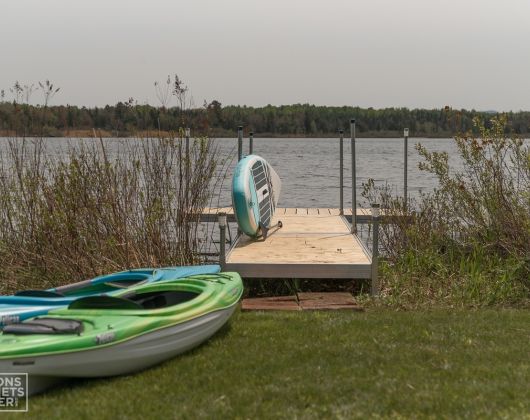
379	363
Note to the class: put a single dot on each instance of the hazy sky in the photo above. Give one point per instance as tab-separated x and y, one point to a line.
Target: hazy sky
379	53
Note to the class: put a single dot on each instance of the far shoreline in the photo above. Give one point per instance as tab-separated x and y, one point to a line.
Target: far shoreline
96	133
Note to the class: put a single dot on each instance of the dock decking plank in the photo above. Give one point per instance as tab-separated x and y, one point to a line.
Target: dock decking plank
293	210
307	246
209	214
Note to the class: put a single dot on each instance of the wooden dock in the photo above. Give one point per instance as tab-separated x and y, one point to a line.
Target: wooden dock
313	243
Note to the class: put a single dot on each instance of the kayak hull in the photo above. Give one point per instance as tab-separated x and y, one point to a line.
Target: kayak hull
123	358
141	327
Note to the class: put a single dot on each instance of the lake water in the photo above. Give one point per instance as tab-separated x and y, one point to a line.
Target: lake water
309	167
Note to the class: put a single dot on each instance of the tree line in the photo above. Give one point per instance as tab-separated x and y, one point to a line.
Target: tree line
304	120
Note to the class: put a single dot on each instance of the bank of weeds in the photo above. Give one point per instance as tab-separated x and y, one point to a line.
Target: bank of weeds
468	242
93	209
95	206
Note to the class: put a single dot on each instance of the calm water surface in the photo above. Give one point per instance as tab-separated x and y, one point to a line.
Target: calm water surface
309	167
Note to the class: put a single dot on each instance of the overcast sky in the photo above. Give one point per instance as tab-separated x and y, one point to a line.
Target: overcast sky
379	53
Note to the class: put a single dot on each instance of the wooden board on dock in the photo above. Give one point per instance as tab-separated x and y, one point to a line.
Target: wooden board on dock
209	214
307	246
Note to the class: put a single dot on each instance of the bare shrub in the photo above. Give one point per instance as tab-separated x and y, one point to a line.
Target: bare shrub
468	242
93	207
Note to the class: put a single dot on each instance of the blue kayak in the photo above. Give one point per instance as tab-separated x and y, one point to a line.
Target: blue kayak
30	303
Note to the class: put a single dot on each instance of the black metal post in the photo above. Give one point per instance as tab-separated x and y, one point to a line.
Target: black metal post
341	169
187	143
251	143
353	179
239	143
375	288
222	240
187	151
405	169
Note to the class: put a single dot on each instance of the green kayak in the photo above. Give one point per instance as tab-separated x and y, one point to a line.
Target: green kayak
101	336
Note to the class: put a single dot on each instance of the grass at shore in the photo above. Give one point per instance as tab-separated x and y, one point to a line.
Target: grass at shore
379	363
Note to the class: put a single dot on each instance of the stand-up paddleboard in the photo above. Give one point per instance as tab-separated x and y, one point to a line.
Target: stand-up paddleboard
255	193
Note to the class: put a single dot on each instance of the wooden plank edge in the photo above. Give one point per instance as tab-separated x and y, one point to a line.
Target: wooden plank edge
303	271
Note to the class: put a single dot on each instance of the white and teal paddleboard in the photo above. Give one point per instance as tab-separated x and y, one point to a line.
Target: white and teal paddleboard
255	193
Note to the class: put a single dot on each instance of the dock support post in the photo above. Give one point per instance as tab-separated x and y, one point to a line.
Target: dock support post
341	176
375	289
239	143
405	169
239	152
251	143
187	151
188	131
221	217
353	180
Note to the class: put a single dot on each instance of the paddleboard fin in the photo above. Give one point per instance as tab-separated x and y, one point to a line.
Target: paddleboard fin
264	230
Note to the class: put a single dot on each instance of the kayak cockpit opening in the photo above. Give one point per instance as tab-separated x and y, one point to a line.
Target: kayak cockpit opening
104	284
163	299
150	300
39	293
124	284
45	326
